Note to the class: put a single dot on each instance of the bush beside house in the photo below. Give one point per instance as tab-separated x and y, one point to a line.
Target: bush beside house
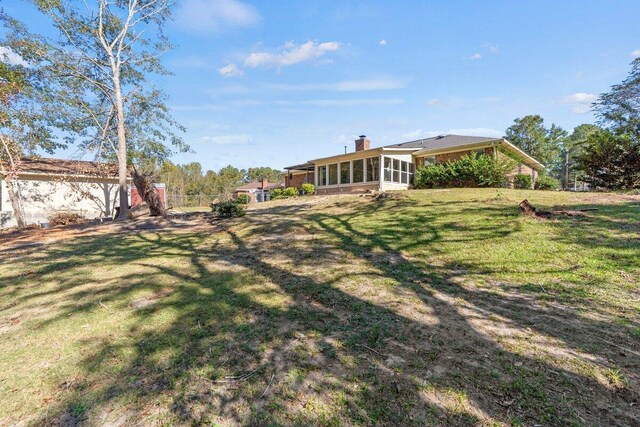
546	182
472	170
308	188
522	181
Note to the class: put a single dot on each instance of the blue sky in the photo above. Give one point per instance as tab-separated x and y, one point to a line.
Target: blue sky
263	83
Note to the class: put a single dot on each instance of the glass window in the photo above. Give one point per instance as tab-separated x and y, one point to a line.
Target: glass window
430	160
322	175
345	173
396	164
358	170
333	174
387	169
404	178
373	169
404	166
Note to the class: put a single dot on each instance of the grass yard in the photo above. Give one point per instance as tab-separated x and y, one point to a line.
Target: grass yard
423	308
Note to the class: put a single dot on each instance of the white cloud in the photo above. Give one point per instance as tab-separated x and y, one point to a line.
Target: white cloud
207	16
475	56
490	47
230	70
437	102
380	83
10	57
635	53
580	102
228	139
382	42
291	54
419	133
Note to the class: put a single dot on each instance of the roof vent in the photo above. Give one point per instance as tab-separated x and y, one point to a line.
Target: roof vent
440	136
362	136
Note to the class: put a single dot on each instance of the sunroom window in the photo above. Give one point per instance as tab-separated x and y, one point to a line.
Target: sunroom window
345	172
373	169
398	171
333	174
358	170
322	176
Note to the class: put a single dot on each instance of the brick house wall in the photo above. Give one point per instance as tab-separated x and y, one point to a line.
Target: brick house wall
296	180
361	188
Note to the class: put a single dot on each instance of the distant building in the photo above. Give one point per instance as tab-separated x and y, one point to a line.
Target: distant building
258	191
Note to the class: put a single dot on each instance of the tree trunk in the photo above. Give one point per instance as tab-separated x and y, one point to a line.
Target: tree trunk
566	171
148	193
16	202
122	152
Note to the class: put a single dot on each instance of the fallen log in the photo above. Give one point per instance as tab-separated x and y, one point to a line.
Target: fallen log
528	209
147	191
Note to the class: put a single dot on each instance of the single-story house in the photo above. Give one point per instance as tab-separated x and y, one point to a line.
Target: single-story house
392	167
258	191
48	186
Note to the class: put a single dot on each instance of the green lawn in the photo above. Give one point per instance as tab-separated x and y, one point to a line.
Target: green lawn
423	308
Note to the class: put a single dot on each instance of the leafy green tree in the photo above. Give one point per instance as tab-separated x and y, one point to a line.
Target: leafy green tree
611	160
531	136
229	178
25	125
104	54
572	148
270	174
620	107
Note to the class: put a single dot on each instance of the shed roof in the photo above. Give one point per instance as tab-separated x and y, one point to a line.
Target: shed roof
42	165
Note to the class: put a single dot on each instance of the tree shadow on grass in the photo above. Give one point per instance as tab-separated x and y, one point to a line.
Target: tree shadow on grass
299	317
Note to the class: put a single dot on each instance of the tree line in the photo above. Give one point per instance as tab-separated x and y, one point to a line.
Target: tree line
605	155
191	180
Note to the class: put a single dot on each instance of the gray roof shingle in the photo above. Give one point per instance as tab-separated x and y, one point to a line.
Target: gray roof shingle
442	141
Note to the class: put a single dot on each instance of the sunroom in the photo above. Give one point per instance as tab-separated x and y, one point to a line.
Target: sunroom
365	169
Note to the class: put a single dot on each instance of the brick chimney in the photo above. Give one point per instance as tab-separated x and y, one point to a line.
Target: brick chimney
264	183
362	143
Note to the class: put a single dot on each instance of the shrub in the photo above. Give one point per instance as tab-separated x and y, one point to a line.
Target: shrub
65	218
277	193
228	209
545	182
522	181
290	192
308	188
243	199
471	170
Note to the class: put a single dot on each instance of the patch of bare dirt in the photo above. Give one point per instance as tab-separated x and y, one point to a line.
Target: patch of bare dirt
35	236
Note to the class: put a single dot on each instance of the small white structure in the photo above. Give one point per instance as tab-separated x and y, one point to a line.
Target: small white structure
53	185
